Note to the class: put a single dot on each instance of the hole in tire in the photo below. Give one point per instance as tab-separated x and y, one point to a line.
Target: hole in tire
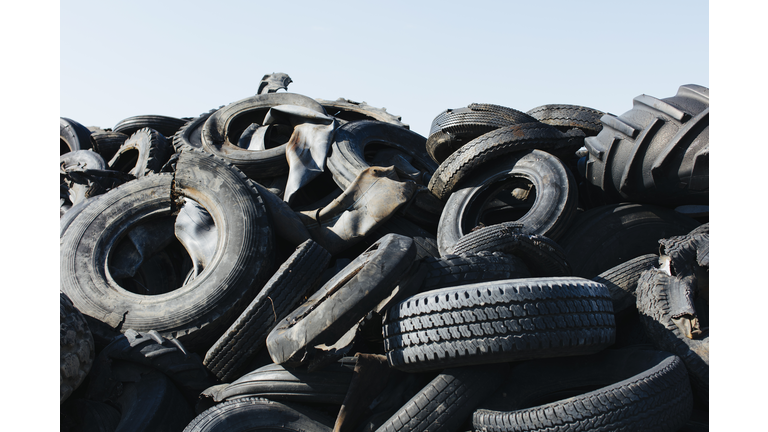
507	200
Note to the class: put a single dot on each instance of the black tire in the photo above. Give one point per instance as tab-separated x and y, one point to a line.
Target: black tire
565	117
343	301
498	321
501	192
426	243
251	413
622	280
221	133
499	143
167	126
656	153
541	255
79	161
73	136
356	140
326	385
76	348
190	133
83	415
152	404
347	111
632	390
447	401
145	152
606	236
453	128
655	292
107	143
193	312
455	270
296	278
166	355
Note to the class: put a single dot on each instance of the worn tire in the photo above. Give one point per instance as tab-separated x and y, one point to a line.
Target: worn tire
166	125
190	133
76	348
632	390
347	111
455	270
251	413
501	192
145	152
565	117
498	321
107	143
621	280
73	136
194	312
221	132
296	278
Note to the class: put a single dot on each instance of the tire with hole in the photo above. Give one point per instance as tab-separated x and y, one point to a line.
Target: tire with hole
221	132
499	321
144	152
533	188
194	312
656	153
629	390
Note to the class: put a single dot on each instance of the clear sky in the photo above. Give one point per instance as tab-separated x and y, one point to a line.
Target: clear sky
415	58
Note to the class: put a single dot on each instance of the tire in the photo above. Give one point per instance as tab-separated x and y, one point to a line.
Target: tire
453	128
501	192
426	243
73	136
343	301
499	143
190	133
632	390
606	236
656	153
347	111
152	404
164	355
541	255
655	303
76	348
83	415
327	385
447	401
78	160
455	270
347	158
250	413
107	143
296	278
194	312
565	117
165	125
222	130
500	321
145	152
622	280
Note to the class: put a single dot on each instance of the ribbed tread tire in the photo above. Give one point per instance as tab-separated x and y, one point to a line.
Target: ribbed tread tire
493	145
484	266
656	399
296	278
569	116
498	321
347	110
447	401
107	143
189	133
621	280
541	255
164	124
252	413
453	128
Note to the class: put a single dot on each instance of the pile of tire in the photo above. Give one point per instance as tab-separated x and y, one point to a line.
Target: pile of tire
526	271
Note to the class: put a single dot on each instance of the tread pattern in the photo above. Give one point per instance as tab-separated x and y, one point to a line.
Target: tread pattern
569	116
154	151
165	125
541	255
621	280
655	400
493	145
483	266
447	401
498	321
297	277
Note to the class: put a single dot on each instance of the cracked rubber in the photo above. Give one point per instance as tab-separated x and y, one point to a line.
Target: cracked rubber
447	401
194	312
614	390
621	280
499	321
296	278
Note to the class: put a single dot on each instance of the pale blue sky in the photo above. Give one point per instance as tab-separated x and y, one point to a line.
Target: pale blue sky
183	58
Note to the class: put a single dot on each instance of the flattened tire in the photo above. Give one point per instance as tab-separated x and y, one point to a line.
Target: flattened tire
499	321
193	312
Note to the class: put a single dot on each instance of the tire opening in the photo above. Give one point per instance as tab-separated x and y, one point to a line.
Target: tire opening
126	161
63	147
503	201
